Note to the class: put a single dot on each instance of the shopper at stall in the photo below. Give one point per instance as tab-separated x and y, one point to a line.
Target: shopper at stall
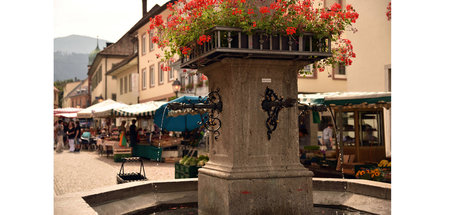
328	136
77	136
133	133
71	136
59	136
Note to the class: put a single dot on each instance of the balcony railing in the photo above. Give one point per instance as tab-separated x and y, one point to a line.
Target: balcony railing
232	42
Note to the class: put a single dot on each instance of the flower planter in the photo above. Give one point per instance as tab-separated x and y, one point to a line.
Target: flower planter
233	42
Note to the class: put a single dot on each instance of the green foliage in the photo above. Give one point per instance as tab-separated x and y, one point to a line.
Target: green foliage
60	86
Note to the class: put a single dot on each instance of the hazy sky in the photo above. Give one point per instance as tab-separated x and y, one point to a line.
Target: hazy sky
107	19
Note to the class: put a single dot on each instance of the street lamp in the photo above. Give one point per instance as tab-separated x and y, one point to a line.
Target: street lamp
176	85
99	98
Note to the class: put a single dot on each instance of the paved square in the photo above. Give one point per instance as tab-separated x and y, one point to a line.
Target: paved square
84	171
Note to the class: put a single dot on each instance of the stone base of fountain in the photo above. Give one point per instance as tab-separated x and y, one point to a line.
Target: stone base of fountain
255	196
137	197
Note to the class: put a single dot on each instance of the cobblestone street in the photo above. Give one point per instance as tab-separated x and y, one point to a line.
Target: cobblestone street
84	171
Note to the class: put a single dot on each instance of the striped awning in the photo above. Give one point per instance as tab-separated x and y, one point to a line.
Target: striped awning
107	111
67	115
102	106
138	110
66	110
344	98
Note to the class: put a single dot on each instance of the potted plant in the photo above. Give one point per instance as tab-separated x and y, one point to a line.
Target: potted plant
190	26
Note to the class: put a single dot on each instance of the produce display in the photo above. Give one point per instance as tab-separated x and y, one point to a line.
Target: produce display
193	161
384	163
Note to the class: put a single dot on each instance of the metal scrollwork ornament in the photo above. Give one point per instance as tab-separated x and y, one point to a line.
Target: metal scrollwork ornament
211	121
273	104
212	105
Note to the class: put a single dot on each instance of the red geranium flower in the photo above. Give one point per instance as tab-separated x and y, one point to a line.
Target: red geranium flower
264	10
291	30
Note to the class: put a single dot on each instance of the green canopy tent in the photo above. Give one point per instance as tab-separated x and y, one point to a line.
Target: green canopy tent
336	102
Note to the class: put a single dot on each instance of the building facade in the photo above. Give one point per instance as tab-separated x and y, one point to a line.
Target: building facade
101	85
66	90
79	97
127	77
55	98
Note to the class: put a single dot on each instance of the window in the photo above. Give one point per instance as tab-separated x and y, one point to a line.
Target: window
144	79
370	128
135	47
152	76
329	3
389	80
160	73
121	86
339	72
348	128
125	84
143	46
171	74
150	40
129	83
307	72
114	97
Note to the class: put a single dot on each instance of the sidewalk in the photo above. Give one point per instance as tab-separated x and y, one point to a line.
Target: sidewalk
84	171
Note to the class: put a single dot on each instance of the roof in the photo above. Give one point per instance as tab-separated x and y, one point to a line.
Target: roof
344	98
72	92
122	63
122	48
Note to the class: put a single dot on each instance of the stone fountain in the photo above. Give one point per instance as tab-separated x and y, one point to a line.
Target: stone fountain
254	166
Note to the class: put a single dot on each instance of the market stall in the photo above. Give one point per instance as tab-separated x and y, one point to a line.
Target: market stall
145	147
185	124
105	132
361	122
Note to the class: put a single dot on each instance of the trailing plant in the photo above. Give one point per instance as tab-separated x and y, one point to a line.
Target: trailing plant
190	20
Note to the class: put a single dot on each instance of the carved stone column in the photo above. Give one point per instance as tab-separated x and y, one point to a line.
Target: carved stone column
247	173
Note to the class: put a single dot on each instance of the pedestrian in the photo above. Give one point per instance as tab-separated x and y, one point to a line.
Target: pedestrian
77	136
65	140
133	134
59	136
71	136
55	139
122	134
327	136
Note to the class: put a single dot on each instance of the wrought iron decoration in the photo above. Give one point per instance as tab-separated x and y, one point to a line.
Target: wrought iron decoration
212	103
272	104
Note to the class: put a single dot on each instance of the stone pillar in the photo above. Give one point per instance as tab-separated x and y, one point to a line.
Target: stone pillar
247	173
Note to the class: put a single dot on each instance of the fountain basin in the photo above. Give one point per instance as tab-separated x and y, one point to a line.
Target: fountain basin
130	198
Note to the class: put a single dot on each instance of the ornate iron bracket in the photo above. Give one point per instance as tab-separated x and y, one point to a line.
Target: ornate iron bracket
272	104
212	104
304	109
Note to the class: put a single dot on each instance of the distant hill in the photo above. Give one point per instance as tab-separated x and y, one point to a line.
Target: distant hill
77	44
68	66
71	55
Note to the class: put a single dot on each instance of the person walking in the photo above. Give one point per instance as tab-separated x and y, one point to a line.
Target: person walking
328	136
77	136
71	136
59	136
